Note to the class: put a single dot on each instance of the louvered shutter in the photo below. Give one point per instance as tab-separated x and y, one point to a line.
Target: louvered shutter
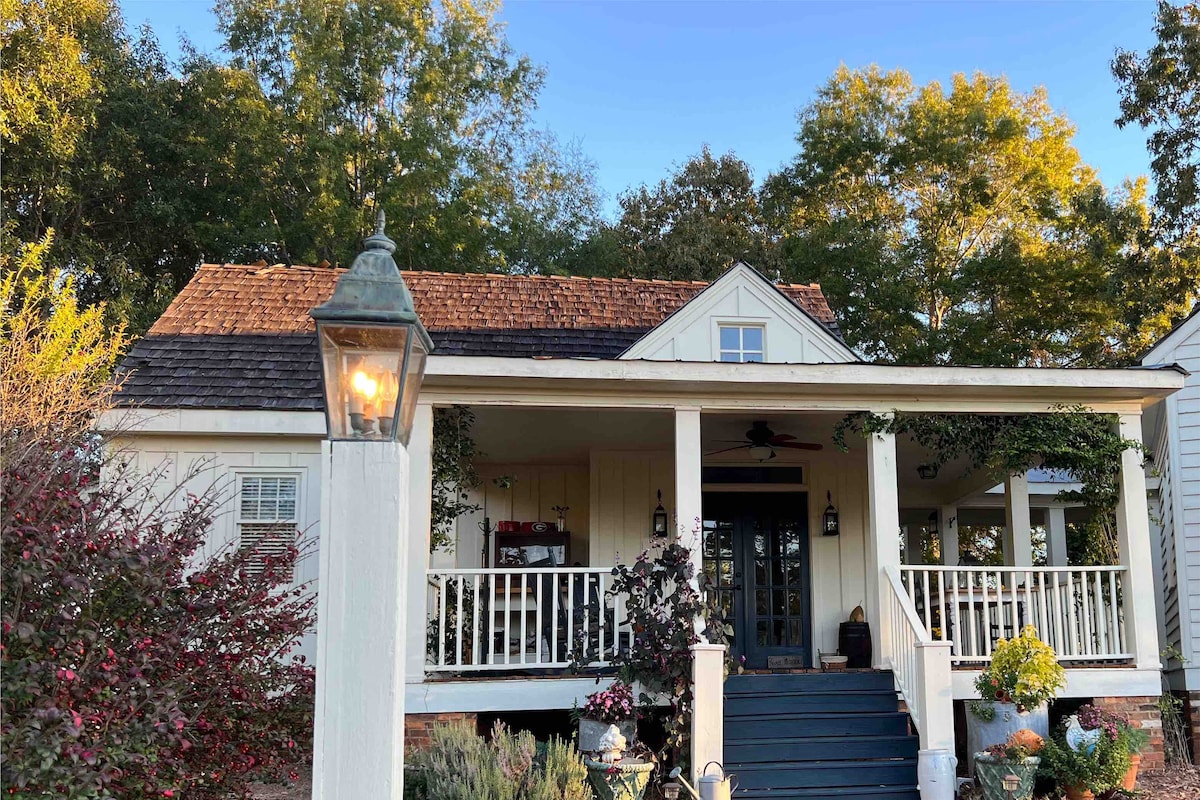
267	516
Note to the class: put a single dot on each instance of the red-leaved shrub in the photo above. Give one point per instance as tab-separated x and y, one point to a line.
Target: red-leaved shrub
131	667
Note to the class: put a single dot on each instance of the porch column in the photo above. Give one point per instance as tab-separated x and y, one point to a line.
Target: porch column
1133	539
1018	538
359	731
687	483
1056	536
883	534
708	706
948	530
420	455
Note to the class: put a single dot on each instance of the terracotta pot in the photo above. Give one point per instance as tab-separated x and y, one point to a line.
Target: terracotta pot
1130	781
1076	793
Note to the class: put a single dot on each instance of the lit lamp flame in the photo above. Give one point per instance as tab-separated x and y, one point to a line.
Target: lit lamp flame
364	385
363	390
389	390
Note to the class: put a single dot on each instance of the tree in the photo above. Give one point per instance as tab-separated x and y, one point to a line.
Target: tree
421	108
1161	93
959	226
694	223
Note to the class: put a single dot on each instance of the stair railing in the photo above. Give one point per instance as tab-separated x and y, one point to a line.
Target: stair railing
920	666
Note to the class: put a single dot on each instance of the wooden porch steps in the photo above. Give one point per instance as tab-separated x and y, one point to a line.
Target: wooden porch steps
818	736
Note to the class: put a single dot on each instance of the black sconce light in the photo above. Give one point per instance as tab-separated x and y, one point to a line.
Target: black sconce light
927	471
659	528
829	520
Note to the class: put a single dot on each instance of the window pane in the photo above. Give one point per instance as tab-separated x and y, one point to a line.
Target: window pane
269	499
752	357
752	339
729	338
731	357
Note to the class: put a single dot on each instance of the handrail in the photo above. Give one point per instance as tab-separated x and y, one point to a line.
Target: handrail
920	666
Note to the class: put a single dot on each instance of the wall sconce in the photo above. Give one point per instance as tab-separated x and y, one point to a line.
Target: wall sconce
659	526
927	471
829	520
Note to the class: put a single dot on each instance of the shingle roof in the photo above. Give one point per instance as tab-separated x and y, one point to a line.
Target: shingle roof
241	336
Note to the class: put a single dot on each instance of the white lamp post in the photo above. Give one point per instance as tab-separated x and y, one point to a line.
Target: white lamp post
373	351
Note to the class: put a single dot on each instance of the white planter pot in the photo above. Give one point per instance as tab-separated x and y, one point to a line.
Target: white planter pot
591	731
937	776
982	734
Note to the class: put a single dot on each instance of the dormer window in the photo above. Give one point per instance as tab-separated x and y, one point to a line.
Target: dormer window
741	343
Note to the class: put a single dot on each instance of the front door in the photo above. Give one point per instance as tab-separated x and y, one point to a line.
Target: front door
756	553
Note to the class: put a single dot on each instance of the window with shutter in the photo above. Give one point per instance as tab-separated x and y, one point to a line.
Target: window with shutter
267	515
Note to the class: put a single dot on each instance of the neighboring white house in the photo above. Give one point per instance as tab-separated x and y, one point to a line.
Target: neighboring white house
1172	431
603	395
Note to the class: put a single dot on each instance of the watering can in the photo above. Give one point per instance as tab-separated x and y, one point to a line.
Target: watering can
715	787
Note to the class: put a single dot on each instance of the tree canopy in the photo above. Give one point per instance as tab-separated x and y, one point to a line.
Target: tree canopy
959	225
1160	92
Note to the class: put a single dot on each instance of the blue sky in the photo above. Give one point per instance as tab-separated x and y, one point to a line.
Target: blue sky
643	85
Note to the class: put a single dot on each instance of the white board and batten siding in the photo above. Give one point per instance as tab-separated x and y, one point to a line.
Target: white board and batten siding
224	464
1175	512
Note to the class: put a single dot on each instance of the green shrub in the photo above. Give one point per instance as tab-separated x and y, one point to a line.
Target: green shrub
1098	769
1024	670
460	765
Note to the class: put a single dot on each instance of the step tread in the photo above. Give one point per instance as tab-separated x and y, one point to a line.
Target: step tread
907	792
842	765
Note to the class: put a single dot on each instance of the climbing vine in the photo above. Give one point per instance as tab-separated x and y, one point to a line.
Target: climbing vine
1068	439
454	473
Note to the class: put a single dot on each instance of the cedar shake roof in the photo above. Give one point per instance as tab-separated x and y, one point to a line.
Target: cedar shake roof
241	336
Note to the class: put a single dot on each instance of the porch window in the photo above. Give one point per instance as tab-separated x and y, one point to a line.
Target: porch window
266	516
741	343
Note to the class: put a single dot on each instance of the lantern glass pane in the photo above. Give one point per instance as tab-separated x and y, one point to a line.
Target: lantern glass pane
414	374
362	367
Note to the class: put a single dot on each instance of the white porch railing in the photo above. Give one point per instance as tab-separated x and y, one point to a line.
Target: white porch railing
1076	610
518	618
919	665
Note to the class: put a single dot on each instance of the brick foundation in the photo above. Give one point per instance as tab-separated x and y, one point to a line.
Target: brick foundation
1143	711
1191	721
417	726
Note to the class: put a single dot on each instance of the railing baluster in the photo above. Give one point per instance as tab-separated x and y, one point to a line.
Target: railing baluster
491	604
955	614
556	596
973	649
507	617
603	612
943	620
1060	642
475	620
442	584
1118	646
1089	645
570	615
1043	621
1101	617
458	622
986	639
524	614
538	627
925	601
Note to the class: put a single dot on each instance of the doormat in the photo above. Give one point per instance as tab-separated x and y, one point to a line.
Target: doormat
786	662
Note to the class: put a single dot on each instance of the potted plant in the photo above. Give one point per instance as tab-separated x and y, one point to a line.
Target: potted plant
1023	676
1016	757
612	706
1084	766
1128	737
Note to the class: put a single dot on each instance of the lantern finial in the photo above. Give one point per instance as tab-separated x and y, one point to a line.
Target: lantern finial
379	240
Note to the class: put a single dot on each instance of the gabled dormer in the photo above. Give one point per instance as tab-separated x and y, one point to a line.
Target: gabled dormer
742	317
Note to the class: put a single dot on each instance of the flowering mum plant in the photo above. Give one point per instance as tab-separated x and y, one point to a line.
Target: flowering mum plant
612	705
1021	745
1117	728
1024	671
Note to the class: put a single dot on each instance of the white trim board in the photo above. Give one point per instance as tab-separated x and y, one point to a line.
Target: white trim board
1103	682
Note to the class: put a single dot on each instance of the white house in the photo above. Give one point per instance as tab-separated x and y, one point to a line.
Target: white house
1172	431
603	395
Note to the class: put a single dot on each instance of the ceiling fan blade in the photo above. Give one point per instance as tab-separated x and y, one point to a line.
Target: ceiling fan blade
800	445
782	437
733	441
727	449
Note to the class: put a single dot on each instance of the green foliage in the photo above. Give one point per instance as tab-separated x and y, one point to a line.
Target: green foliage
454	473
1097	769
1069	439
1160	92
959	225
1024	670
663	599
461	765
322	113
695	223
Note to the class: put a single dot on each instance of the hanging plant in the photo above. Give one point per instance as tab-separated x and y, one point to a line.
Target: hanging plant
454	474
1068	439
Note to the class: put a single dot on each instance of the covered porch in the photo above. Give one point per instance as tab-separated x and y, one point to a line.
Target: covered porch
603	440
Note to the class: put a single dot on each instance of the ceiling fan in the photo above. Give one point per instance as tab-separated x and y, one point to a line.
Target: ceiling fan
761	441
